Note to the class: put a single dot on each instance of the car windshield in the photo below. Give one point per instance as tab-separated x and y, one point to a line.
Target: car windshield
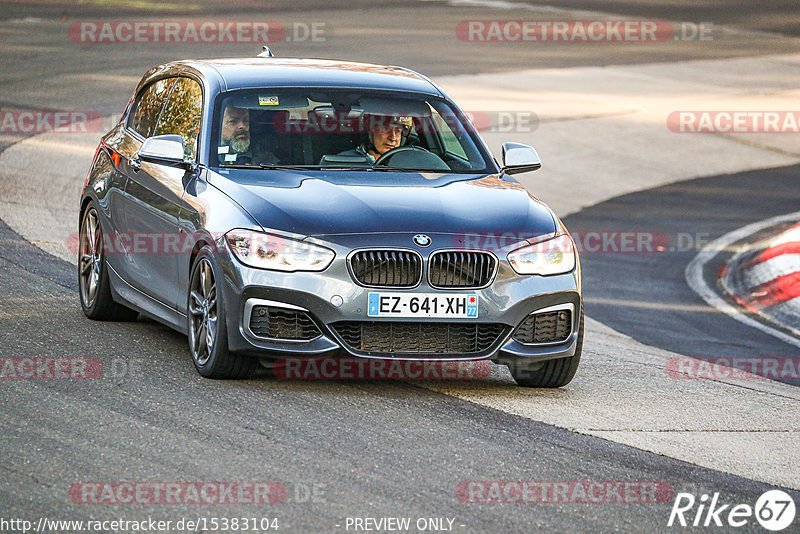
343	130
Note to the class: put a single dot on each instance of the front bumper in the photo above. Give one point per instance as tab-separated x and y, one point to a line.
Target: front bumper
332	296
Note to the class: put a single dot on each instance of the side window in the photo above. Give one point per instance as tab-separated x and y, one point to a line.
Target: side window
148	107
182	114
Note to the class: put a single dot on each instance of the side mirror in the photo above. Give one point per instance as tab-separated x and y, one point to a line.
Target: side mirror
519	158
163	149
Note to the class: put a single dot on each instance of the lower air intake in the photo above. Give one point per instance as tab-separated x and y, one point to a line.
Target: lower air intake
279	323
547	327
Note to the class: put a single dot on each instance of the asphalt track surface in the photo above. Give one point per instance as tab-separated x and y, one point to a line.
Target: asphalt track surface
646	296
371	449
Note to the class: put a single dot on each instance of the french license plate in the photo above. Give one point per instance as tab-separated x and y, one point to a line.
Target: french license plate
454	306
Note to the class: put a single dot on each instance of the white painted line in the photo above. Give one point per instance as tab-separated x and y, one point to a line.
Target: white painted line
694	276
773	268
790	236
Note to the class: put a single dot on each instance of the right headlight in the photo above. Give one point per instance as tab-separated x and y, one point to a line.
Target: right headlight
268	251
552	256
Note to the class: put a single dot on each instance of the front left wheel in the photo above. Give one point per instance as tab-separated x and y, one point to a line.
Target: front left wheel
208	338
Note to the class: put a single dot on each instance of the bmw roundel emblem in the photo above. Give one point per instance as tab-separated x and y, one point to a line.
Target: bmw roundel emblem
422	240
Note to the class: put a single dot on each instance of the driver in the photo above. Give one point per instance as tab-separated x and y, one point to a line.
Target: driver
235	139
384	133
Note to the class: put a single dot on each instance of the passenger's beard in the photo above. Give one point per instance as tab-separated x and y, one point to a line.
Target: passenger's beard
240	145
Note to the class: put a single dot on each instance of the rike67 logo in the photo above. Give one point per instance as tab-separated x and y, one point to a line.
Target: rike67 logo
774	511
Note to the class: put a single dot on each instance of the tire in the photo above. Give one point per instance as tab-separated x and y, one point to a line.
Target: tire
550	373
94	287
208	335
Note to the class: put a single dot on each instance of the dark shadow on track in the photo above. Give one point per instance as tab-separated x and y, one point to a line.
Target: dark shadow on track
645	295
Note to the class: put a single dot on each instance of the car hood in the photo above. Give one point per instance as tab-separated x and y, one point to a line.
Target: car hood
320	203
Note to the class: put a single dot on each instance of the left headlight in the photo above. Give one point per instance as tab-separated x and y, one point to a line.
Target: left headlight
267	251
553	256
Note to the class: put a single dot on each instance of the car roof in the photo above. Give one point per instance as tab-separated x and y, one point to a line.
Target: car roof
294	72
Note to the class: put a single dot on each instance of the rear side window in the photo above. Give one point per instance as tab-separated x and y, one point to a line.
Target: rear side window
148	107
182	114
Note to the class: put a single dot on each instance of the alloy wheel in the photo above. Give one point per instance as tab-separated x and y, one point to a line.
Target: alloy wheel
90	257
203	312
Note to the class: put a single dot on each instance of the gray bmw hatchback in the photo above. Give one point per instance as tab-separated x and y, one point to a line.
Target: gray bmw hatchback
273	208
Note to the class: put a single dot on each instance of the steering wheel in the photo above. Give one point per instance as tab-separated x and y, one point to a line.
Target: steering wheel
386	156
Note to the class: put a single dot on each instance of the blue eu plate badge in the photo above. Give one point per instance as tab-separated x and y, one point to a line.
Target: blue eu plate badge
374	300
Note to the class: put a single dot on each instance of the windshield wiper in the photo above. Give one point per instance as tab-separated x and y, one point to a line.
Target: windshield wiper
269	166
313	167
238	166
288	167
394	169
